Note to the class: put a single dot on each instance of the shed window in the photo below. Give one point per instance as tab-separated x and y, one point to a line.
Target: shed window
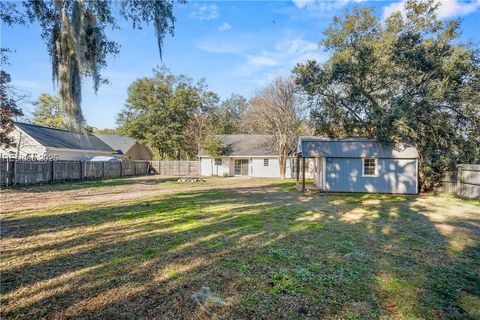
218	161
265	162
369	167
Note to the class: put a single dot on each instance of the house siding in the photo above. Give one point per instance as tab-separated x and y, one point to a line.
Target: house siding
208	167
25	145
394	176
255	167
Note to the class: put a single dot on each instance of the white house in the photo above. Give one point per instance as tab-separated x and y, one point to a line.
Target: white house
246	155
42	143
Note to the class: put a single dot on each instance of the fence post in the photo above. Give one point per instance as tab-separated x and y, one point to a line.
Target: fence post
81	169
459	181
10	172
53	170
121	168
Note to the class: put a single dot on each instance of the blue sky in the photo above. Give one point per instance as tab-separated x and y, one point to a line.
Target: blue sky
237	46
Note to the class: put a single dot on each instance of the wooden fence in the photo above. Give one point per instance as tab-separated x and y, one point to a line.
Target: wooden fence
465	182
15	172
176	168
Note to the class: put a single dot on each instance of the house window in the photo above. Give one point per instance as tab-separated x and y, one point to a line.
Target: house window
370	167
218	161
265	162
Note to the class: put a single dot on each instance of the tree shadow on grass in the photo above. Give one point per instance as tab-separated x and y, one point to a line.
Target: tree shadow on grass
270	253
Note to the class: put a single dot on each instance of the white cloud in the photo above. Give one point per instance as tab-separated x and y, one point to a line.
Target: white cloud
446	9
262	60
224	27
263	56
322	7
205	12
302	3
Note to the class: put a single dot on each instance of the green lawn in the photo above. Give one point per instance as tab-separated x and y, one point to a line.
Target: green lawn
258	247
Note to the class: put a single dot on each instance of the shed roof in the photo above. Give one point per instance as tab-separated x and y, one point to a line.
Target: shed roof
353	147
121	144
245	145
63	139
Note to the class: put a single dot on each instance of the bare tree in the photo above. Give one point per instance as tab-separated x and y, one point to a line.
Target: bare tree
195	133
277	111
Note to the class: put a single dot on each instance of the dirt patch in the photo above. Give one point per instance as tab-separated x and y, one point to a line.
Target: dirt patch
44	196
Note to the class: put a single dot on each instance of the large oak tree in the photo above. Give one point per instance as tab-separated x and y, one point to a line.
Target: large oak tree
159	108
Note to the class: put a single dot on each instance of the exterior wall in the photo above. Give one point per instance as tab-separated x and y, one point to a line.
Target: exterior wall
394	176
139	152
257	169
25	145
208	167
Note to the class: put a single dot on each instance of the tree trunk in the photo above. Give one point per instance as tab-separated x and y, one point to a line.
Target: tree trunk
282	162
161	154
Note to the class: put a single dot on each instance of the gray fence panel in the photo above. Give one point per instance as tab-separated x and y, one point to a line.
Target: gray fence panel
128	168
92	169
176	167
141	167
32	172
470	176
465	182
112	169
3	172
67	170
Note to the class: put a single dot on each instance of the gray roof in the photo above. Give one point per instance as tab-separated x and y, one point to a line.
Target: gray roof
353	147
120	144
63	139
245	145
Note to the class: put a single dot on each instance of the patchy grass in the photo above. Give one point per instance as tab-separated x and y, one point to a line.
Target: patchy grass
262	249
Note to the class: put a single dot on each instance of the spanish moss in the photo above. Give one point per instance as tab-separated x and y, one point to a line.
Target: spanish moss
74	32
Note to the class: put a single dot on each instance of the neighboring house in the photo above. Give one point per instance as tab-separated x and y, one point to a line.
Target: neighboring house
245	155
37	142
361	165
127	147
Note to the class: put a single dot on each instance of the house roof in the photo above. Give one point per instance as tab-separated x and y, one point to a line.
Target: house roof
63	139
121	144
353	147
244	145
